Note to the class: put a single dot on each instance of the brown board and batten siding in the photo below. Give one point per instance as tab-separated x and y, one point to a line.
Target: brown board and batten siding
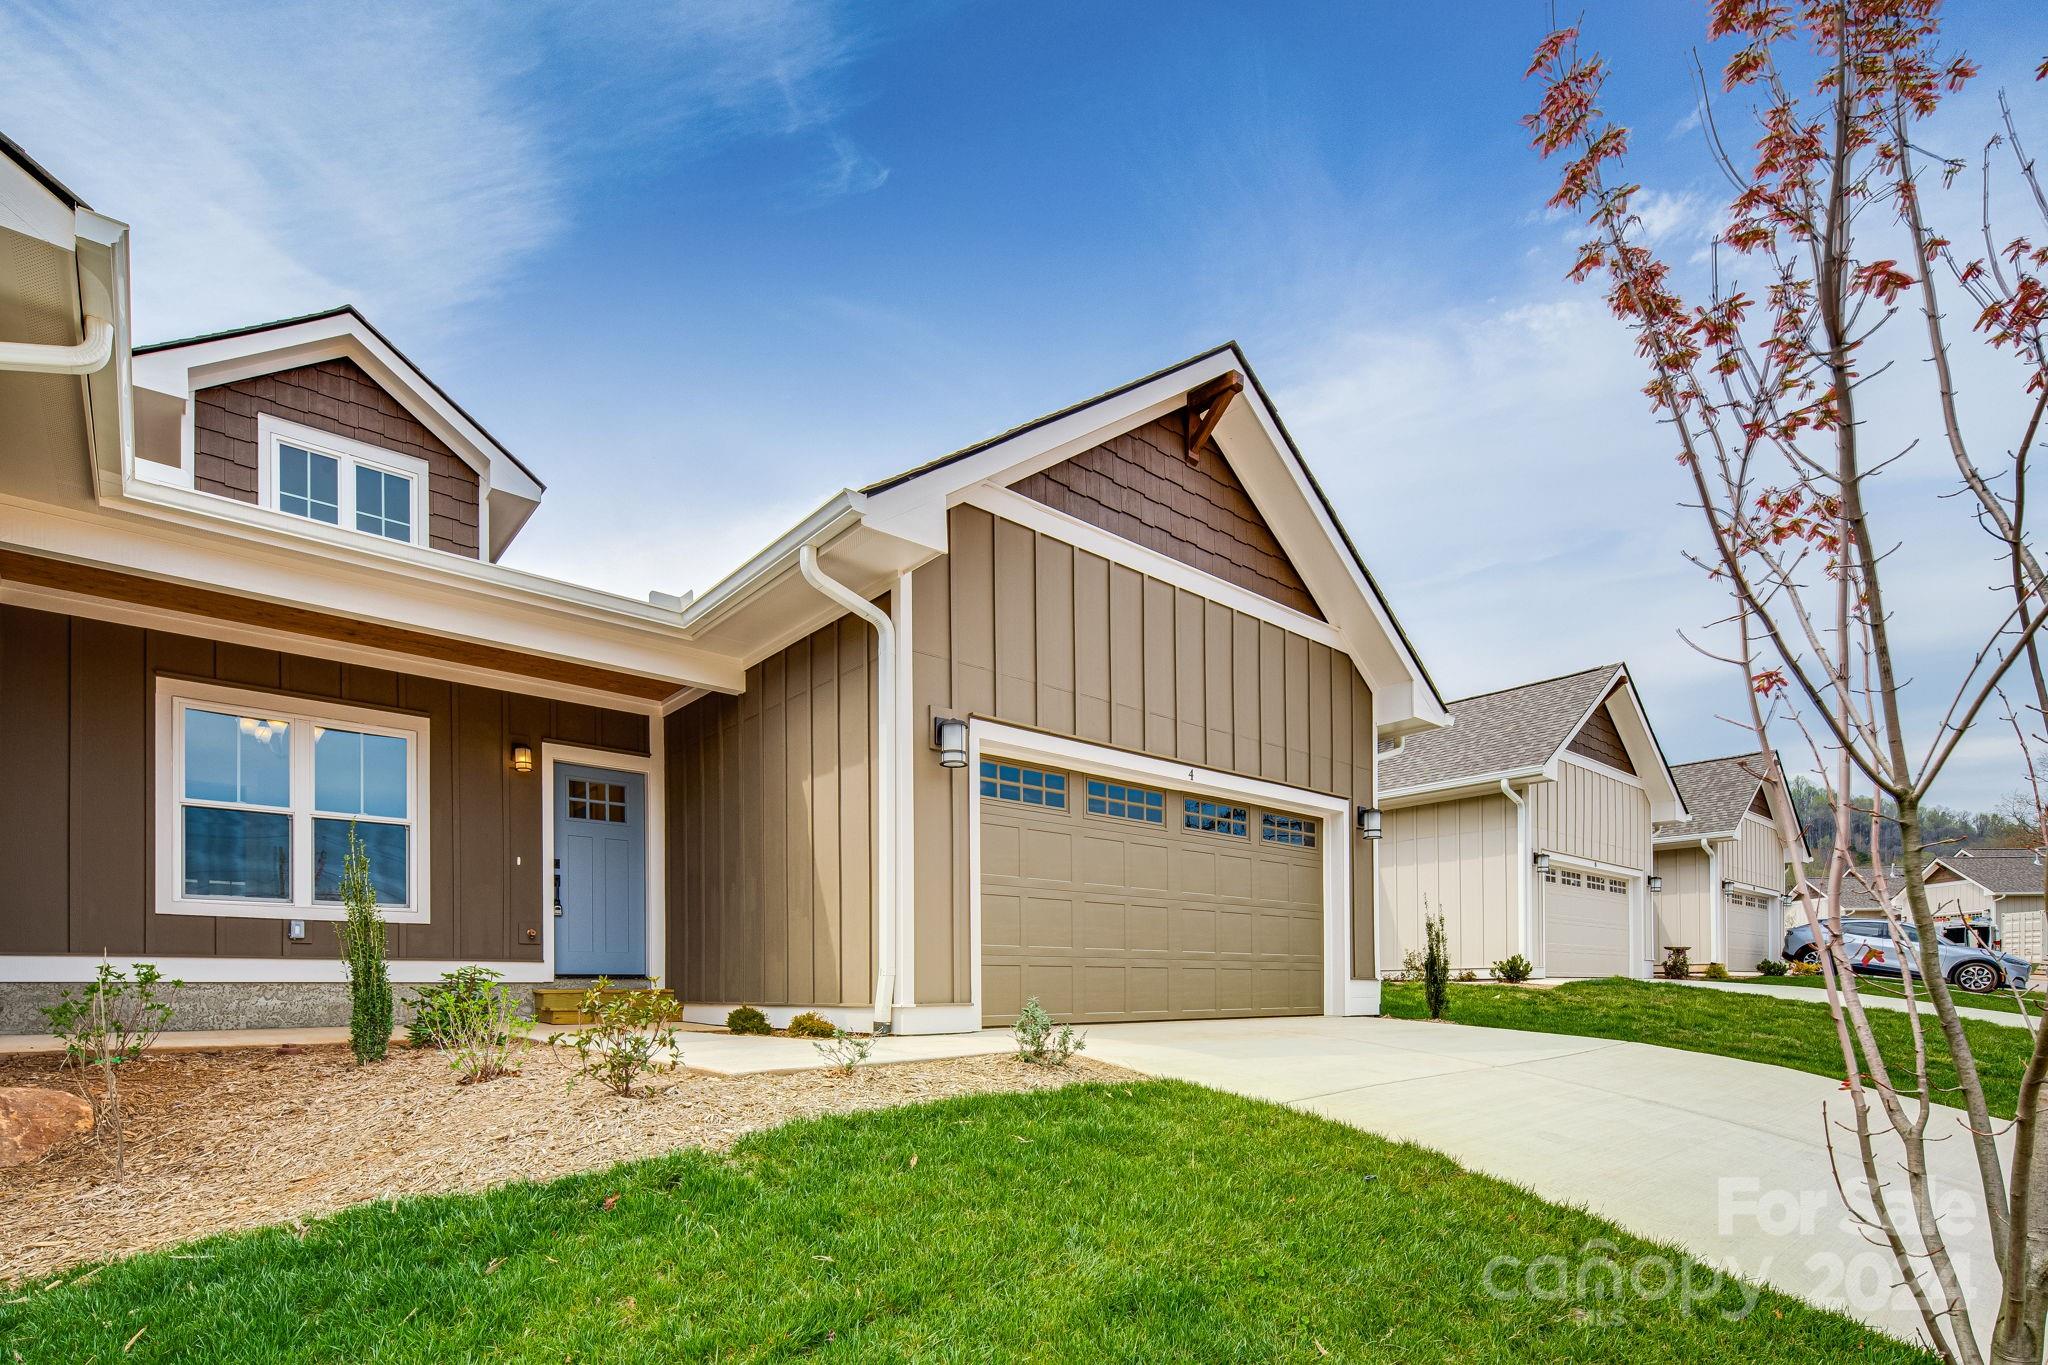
771	830
78	747
1145	487
337	397
1024	628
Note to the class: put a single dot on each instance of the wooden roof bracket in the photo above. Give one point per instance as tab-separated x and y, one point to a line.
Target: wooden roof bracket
1205	408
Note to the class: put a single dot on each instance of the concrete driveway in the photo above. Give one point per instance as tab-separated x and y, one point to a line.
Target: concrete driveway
1724	1158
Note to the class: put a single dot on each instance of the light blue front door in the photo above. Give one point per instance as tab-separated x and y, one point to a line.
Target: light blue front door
600	872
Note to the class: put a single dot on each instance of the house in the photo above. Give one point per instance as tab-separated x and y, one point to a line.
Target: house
1527	825
2002	883
1087	711
1721	870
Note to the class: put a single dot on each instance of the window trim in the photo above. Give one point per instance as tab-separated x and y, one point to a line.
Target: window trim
305	713
271	431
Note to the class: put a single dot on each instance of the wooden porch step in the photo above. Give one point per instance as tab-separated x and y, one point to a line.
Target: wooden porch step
563	1004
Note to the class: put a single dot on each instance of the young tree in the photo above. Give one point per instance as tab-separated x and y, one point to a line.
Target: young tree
1767	381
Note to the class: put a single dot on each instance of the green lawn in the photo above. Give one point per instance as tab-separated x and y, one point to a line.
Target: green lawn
1146	1222
1885	988
1756	1028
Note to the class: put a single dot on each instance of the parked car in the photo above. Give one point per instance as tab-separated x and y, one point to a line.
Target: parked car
1965	963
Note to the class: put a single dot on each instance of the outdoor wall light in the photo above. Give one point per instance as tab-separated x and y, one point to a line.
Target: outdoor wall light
1369	822
1543	862
949	735
1656	885
522	758
1727	886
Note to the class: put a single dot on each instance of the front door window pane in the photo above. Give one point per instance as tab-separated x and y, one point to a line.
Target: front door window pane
240	854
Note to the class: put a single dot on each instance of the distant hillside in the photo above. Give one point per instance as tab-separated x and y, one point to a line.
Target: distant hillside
1942	827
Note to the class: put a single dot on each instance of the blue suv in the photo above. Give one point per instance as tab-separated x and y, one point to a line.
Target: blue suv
1967	964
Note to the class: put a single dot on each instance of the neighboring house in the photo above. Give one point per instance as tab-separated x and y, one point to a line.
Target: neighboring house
1086	712
1526	825
2002	882
1722	869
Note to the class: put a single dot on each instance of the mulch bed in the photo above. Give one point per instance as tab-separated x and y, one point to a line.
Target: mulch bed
220	1141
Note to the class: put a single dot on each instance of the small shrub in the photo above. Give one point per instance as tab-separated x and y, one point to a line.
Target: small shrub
747	1019
1042	1042
481	1030
1802	969
810	1024
1514	970
1467	975
362	946
1770	966
1411	966
1677	965
1714	971
107	1025
1436	969
436	1008
846	1051
633	1033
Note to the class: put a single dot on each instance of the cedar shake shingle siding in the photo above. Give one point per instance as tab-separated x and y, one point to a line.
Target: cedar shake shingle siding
1141	486
337	397
1599	740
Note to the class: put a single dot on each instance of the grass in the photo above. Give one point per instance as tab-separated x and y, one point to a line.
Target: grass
1887	988
1755	1028
1151	1221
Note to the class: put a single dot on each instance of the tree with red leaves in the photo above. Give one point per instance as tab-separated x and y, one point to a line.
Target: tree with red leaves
1764	381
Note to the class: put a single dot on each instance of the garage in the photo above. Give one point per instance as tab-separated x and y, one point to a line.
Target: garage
1586	923
1112	901
1751	920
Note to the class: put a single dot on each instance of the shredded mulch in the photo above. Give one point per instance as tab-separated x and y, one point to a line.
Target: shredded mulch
220	1141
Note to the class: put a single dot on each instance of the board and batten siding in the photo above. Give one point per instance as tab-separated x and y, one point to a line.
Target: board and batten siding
1684	909
1457	859
1949	895
771	830
1024	628
1587	814
78	746
1757	857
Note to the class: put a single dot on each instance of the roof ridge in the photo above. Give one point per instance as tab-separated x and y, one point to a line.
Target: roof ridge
1726	758
1523	687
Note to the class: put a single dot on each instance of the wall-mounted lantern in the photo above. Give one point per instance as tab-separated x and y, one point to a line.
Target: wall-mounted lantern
1656	885
949	736
1543	862
522	758
1727	886
1368	822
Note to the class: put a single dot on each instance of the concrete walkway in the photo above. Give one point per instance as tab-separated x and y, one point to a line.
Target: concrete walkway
1724	1158
1870	1000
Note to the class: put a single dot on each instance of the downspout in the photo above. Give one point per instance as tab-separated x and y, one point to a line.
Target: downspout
87	357
885	775
1716	909
1524	925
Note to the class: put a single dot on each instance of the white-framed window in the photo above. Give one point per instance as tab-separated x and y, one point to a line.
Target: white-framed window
341	482
255	795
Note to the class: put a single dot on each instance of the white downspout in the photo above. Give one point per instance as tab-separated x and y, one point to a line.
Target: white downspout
1716	911
87	357
1525	925
885	776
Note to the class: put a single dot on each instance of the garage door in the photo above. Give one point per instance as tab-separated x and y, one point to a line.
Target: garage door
1585	924
2019	933
1109	901
1751	920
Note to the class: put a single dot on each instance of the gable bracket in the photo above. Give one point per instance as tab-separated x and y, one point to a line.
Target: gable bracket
1206	405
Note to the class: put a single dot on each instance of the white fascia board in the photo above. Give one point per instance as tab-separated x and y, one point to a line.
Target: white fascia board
1691	838
1459	788
447	595
181	370
836	514
28	206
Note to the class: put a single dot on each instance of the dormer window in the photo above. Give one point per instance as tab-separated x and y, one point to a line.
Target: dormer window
342	482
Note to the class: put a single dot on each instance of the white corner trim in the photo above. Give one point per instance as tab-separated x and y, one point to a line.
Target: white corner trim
73	967
651	767
1015	507
1010	741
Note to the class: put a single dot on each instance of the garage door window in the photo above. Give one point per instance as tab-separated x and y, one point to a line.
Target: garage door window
1211	818
1030	786
1287	829
1126	803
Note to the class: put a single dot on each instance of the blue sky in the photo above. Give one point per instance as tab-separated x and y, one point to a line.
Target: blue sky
734	256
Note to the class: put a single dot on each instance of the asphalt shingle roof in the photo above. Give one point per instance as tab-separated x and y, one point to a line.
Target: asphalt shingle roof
1498	732
2002	871
1717	791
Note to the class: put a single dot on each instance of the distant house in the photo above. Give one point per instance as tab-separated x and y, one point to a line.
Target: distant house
1722	869
1527	826
2004	883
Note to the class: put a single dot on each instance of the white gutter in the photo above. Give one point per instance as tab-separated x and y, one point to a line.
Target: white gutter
87	357
1525	917
885	775
1717	928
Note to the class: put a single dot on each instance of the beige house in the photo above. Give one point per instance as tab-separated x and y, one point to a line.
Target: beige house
1087	711
1721	870
1527	826
2004	883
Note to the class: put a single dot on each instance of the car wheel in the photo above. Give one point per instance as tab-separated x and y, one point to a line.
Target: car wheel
1807	954
1978	978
